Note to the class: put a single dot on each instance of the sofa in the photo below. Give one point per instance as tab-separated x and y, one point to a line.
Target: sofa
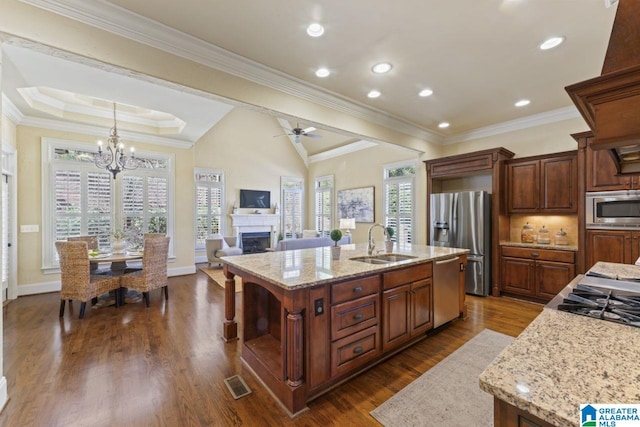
218	246
309	242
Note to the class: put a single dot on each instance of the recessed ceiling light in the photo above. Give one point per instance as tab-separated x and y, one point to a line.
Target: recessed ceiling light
550	43
374	94
323	72
315	30
522	103
443	125
425	92
381	68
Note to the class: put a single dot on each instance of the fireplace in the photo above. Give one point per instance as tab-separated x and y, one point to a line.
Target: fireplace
253	243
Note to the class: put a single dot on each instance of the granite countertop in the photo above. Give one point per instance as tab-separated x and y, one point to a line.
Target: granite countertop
616	271
309	267
539	246
562	360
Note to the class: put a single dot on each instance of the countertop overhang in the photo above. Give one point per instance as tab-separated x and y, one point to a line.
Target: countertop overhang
562	360
301	268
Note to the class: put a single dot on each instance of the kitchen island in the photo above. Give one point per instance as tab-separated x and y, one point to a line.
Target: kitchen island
310	323
562	360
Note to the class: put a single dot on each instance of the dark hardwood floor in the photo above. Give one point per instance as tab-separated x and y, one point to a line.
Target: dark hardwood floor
165	365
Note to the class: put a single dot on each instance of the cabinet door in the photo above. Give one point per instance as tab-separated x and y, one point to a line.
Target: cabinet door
635	246
608	246
602	173
552	277
421	307
524	186
517	275
559	191
396	327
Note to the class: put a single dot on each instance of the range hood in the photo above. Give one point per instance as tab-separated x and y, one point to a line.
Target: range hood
610	103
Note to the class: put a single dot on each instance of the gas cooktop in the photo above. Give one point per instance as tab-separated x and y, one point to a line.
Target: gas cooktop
602	298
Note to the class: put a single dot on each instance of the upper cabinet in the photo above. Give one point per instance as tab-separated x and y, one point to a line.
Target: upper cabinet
543	184
602	174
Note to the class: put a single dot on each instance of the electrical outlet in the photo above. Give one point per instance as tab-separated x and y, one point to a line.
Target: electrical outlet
318	306
29	228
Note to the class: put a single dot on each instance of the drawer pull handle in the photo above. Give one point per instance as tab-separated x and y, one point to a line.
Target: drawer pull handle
358	316
535	254
357	289
357	350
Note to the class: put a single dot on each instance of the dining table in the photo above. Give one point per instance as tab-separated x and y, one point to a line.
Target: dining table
118	261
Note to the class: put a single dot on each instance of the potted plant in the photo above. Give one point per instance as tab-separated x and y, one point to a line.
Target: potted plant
335	235
388	243
118	244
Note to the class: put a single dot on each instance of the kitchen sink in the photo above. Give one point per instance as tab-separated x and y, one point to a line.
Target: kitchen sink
383	258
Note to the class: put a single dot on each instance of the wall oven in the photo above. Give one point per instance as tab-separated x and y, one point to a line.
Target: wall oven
613	209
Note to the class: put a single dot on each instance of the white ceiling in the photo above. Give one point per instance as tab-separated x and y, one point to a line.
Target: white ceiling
478	56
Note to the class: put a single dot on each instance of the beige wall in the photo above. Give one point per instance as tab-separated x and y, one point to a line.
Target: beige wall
30	203
364	169
544	139
242	145
8	132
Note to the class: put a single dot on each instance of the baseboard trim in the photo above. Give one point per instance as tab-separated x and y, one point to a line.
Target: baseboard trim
45	287
4	396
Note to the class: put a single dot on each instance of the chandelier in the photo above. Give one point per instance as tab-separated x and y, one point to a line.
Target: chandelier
113	158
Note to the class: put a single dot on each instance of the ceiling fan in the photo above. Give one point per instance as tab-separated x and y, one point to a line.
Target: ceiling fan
299	132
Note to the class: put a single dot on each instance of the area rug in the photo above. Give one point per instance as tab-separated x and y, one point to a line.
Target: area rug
217	276
448	394
108	300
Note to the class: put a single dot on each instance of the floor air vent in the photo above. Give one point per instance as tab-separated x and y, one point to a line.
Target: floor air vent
237	386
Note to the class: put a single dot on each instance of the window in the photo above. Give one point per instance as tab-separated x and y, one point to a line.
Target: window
209	200
80	199
324	204
292	201
399	184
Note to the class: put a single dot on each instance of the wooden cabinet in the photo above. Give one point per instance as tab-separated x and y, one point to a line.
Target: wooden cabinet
612	246
507	415
407	305
535	273
355	317
602	174
543	184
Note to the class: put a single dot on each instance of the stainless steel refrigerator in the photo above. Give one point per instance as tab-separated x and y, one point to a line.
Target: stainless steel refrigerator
463	220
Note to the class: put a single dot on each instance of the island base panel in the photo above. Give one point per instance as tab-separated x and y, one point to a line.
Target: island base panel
507	415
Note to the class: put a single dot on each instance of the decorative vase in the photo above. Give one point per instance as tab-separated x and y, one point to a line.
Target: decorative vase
118	246
388	244
335	252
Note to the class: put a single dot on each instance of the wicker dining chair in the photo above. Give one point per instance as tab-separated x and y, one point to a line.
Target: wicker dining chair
137	265
154	269
92	243
76	281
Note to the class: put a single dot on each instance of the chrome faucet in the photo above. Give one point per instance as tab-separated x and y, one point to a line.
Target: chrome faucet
372	243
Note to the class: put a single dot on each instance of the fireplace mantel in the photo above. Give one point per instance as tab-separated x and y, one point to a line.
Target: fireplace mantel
255	223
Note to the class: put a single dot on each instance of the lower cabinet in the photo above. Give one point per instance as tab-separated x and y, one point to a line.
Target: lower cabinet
536	273
612	246
407	308
507	415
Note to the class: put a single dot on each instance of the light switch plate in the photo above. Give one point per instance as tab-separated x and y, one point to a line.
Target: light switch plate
29	228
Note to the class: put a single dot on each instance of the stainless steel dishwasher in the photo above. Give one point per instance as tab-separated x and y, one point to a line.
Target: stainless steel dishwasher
446	290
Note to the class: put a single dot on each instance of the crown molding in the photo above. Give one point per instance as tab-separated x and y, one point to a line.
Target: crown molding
341	151
122	22
10	110
100	132
547	117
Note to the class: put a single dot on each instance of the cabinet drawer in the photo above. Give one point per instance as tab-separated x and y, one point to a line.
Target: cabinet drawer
541	254
347	291
407	275
353	316
354	350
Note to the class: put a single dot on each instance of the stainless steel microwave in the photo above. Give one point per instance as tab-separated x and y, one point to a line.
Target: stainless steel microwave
613	209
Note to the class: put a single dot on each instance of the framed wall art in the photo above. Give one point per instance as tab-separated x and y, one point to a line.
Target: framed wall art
357	203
